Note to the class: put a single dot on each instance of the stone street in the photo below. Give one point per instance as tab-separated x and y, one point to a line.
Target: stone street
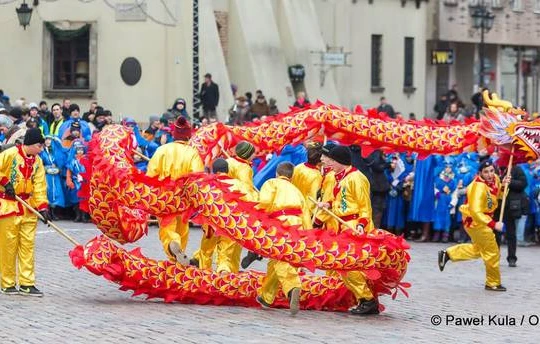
80	307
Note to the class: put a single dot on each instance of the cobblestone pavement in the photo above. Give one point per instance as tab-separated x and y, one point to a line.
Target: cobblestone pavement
79	307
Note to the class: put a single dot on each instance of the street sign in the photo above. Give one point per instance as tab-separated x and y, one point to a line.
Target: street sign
334	59
442	57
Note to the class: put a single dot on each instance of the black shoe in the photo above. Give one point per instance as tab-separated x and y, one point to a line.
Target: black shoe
261	302
30	291
250	258
9	291
495	288
512	264
443	259
194	262
294	300
365	307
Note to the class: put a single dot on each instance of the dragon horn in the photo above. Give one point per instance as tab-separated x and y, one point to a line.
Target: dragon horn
506	105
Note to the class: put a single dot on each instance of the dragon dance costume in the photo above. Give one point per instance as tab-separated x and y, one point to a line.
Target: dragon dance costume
174	160
18	225
482	201
308	179
228	251
285	202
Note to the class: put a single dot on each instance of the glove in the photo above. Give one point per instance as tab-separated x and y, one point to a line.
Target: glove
45	216
9	190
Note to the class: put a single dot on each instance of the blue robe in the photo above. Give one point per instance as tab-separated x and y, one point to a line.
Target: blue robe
443	220
86	133
76	168
296	155
423	198
55	192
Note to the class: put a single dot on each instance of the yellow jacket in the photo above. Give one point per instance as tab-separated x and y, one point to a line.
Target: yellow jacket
307	179
27	176
350	199
278	194
481	203
174	160
237	185
240	169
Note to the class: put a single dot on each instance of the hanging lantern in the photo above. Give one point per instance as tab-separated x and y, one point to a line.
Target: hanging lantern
25	14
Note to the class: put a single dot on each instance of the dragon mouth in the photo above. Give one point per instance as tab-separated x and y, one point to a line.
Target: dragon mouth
530	137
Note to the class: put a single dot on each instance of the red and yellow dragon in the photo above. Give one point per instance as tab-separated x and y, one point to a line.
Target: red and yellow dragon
122	199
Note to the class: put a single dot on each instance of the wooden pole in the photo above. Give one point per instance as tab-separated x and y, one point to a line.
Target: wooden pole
505	193
50	223
144	157
336	217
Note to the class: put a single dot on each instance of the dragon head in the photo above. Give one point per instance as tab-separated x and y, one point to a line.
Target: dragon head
505	125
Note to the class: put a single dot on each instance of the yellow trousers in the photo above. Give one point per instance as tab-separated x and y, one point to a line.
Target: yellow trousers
277	273
355	282
175	231
228	253
17	237
483	246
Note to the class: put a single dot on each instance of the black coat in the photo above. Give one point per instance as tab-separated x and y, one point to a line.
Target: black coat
377	165
516	201
209	96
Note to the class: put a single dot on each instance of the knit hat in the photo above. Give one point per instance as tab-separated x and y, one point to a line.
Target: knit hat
33	136
244	150
32	106
75	125
340	154
16	112
5	121
182	129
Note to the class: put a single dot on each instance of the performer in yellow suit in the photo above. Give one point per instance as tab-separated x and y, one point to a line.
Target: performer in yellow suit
228	251
174	160
285	202
307	177
350	200
239	168
481	203
240	165
21	174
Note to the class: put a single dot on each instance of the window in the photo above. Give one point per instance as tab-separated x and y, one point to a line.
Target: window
69	59
516	5
497	4
70	62
408	80
474	3
376	61
537	6
450	2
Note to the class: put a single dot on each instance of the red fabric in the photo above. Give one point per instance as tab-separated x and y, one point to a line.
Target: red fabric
287	212
491	224
340	176
28	167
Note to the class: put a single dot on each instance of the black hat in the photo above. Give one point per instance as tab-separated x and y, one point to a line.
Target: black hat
325	150
33	136
486	162
75	125
16	112
341	154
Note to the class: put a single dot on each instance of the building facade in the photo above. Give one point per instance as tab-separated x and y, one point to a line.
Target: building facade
511	59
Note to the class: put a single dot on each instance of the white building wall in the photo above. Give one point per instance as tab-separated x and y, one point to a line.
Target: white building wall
352	25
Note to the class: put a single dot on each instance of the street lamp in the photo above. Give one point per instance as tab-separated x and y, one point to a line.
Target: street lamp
25	14
482	19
